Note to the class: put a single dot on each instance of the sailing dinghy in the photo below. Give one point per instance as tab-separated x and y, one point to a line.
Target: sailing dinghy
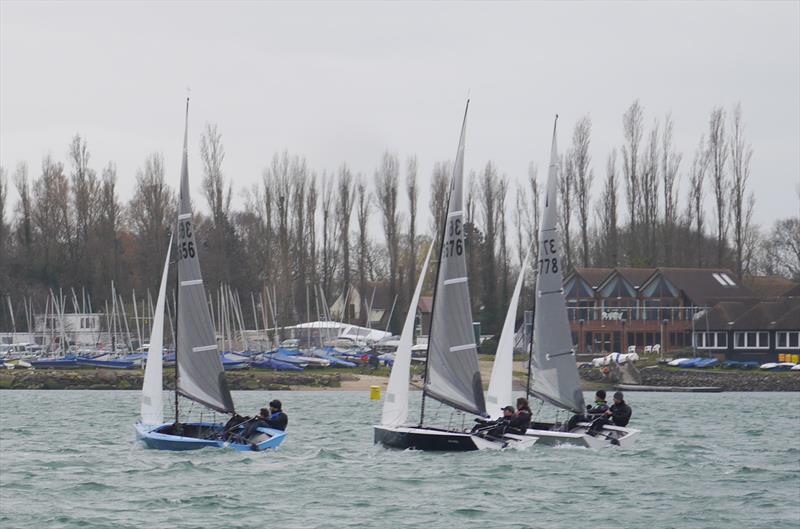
452	373
553	373
199	375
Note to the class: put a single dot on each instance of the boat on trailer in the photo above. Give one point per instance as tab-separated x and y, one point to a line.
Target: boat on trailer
199	374
553	373
452	372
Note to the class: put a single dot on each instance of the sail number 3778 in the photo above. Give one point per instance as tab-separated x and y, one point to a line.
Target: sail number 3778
548	262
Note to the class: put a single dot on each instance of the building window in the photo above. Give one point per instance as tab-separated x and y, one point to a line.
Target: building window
711	340
787	340
751	340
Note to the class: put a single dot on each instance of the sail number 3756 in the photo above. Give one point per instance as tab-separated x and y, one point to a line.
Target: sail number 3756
548	261
185	248
454	245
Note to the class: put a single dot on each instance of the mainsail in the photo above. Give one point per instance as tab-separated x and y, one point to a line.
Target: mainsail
200	374
499	394
453	374
554	373
152	388
395	407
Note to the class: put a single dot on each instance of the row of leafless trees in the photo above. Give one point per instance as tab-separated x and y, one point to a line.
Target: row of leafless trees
310	234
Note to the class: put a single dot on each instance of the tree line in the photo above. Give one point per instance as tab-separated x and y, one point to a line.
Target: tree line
301	230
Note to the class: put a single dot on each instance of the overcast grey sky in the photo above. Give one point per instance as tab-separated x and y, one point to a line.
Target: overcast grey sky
341	82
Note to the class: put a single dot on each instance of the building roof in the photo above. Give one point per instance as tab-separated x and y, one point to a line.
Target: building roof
704	286
593	276
769	286
636	276
782	314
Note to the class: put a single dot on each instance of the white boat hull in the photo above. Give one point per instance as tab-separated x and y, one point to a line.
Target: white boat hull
609	436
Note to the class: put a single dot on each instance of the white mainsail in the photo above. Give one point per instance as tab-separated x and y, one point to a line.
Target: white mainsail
453	373
395	407
554	372
499	394
152	390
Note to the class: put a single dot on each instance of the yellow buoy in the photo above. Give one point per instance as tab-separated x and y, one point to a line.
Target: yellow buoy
375	393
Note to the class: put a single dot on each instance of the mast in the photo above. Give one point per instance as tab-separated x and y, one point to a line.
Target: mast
178	276
436	282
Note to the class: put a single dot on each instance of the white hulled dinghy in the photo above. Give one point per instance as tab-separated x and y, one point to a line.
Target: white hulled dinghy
452	372
199	375
553	373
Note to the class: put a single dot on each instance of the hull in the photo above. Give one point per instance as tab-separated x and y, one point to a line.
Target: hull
436	440
204	435
608	436
108	364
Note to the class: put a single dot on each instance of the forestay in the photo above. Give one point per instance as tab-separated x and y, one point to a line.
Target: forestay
152	388
554	373
454	377
395	407
200	374
499	394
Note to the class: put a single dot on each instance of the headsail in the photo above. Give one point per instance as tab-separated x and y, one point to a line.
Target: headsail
454	376
395	407
499	394
200	374
152	388
554	373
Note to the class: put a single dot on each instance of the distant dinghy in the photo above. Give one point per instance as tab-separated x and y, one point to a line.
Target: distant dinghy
452	372
199	372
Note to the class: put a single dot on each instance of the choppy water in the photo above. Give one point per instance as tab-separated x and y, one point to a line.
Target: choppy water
69	459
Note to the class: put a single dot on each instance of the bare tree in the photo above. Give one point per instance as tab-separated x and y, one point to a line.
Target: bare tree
108	226
670	162
632	124
411	192
521	216
607	212
566	184
344	208
741	207
584	178
487	199
440	184
386	192
4	254
330	247
363	208
695	212
502	192
150	215
648	190
24	212
718	157
51	219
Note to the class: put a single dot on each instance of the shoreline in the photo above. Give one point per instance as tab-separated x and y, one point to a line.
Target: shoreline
361	379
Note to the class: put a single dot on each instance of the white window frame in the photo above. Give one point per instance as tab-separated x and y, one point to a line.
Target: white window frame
745	335
710	339
787	335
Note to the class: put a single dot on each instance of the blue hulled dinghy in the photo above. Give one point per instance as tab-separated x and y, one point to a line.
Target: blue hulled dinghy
199	374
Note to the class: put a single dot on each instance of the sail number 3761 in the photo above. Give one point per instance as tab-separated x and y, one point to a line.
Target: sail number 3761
549	260
185	248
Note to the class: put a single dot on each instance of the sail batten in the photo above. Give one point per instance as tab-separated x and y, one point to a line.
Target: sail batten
200	374
554	372
453	373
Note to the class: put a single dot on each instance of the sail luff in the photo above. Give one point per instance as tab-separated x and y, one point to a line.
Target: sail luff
395	406
554	370
500	383
453	374
152	389
201	377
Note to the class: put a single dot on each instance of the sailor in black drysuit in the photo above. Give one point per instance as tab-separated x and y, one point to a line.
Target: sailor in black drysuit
619	412
599	409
